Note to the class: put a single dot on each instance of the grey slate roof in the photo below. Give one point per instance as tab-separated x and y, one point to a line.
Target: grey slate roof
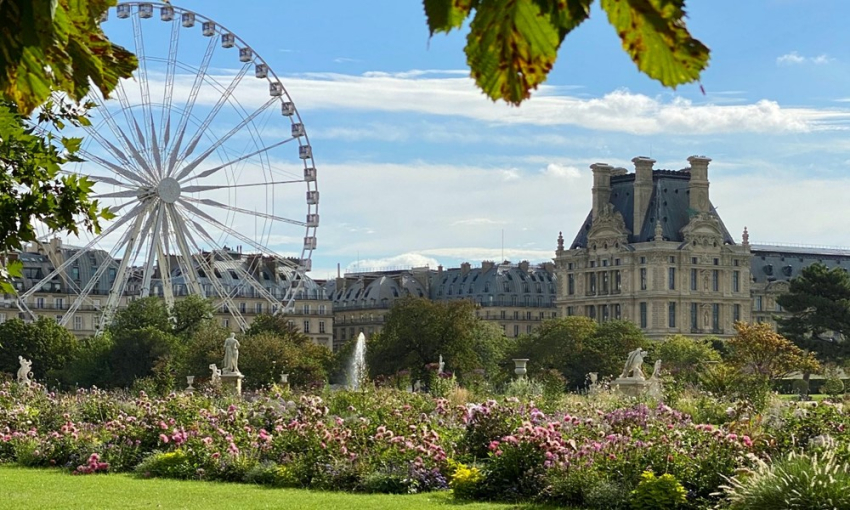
669	202
775	263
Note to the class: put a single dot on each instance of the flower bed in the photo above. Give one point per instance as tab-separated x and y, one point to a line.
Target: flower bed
592	453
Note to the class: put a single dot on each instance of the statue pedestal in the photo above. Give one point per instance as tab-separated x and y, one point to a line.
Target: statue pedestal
231	382
631	386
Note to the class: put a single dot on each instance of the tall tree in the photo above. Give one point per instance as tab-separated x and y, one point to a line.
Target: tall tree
44	342
512	44
818	304
417	331
57	45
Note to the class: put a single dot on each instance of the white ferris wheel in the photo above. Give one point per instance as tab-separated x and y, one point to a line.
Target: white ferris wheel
204	159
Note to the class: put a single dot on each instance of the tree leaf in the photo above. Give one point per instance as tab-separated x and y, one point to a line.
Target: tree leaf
654	35
445	15
511	48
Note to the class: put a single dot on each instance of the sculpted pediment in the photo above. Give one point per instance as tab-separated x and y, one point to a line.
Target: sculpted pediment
608	227
703	229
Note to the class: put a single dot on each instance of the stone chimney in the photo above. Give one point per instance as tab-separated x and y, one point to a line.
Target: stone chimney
523	266
642	190
465	267
486	265
698	185
601	186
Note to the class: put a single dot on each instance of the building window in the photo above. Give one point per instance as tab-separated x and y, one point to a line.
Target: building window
590	311
78	322
571	284
570	311
736	281
694	279
618	283
502	315
570	266
715	317
758	303
694	317
75	273
516	315
592	283
715	280
258	307
2	318
671	278
671	314
673	259
693	260
777	307
528	329
643	315
592	263
643	278
516	329
643	260
323	309
604	278
736	313
306	326
616	262
617	314
39	302
604	313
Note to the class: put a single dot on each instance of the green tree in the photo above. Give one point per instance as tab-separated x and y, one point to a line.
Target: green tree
57	45
149	312
136	352
512	44
818	302
47	344
32	188
417	331
576	346
685	358
190	314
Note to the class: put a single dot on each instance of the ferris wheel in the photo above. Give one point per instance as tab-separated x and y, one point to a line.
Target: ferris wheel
206	163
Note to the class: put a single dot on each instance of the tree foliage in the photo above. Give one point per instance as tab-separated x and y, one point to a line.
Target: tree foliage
576	346
418	331
685	357
33	189
513	44
759	350
818	302
44	342
57	45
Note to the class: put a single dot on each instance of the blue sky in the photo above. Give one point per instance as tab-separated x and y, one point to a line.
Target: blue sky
417	167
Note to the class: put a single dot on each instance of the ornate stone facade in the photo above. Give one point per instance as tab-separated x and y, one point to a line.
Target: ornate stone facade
654	251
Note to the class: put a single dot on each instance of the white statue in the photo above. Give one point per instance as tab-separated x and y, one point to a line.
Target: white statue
215	379
440	365
656	371
634	364
25	371
592	377
231	355
417	386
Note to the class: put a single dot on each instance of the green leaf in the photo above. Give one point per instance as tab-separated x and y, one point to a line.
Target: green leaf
15	268
511	47
445	15
654	35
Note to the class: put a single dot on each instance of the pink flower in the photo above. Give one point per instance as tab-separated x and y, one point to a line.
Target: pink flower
163	438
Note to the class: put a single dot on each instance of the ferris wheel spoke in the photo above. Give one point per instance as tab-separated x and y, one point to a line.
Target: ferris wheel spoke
191	276
193	143
109	146
100	178
122	273
135	132
119	134
219	205
91	244
165	120
152	249
221	226
207	173
211	187
119	194
200	159
247	277
190	104
147	115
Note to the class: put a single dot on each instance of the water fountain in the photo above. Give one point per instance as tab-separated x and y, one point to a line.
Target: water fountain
356	370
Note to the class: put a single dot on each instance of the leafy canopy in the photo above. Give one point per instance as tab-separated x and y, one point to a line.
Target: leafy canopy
57	45
818	303
513	44
759	350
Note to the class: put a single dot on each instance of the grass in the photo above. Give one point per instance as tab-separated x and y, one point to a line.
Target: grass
47	489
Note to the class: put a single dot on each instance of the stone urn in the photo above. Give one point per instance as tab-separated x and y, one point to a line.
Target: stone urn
284	378
520	367
190	379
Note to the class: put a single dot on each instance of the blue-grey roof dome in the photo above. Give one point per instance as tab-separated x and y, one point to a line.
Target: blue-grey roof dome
502	285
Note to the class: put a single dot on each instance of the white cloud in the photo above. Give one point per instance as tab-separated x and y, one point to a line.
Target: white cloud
795	58
563	171
403	261
346	60
510	174
478	221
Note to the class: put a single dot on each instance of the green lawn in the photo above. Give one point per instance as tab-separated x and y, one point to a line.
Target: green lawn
53	489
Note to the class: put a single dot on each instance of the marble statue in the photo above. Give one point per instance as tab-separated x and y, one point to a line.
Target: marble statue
634	364
417	386
656	371
592	377
440	365
215	379
231	355
25	371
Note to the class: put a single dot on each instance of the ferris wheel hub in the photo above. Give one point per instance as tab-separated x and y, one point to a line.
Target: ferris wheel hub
168	190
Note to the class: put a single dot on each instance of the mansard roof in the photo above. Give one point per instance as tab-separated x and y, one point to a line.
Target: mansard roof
669	202
782	263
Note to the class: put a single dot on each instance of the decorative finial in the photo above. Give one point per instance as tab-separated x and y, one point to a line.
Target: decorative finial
745	237
659	231
560	241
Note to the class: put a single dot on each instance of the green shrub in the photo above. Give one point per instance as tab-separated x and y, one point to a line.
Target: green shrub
606	495
271	473
175	464
658	492
466	482
800	481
